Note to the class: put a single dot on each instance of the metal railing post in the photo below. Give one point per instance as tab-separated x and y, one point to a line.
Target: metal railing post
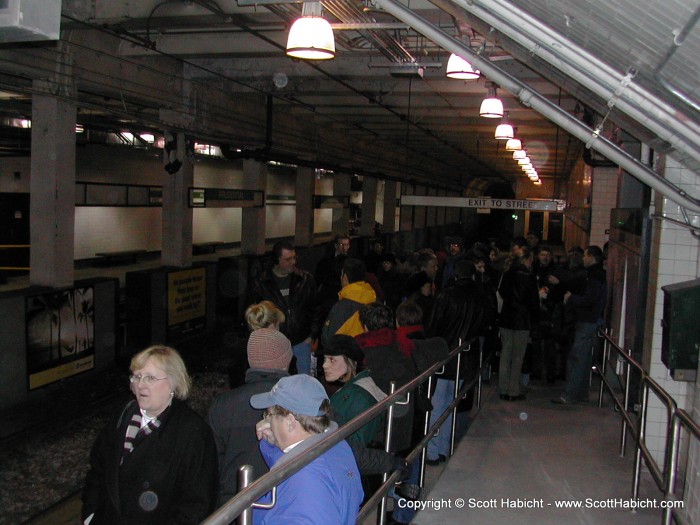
426	426
671	467
481	365
623	433
455	393
602	370
640	439
381	511
245	477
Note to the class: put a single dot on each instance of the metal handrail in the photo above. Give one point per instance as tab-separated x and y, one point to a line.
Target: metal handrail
429	432
681	418
247	496
638	429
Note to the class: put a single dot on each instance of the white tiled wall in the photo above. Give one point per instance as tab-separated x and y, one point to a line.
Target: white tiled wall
675	258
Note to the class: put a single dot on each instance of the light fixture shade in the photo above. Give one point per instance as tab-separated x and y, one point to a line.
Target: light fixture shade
514	145
311	38
524	161
537	182
503	132
491	108
460	69
519	154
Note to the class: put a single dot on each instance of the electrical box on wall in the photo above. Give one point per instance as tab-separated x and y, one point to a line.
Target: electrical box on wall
29	20
680	342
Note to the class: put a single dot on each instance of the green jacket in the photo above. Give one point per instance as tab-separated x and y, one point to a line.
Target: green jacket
351	400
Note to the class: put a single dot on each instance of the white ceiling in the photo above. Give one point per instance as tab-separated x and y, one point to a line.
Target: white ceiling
209	67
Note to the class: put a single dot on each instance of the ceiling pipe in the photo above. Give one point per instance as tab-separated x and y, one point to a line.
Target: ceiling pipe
543	106
616	89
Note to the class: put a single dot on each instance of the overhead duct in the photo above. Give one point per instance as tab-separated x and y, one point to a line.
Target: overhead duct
543	106
407	71
30	20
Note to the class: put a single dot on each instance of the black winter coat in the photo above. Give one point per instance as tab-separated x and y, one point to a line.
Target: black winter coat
172	471
521	303
303	315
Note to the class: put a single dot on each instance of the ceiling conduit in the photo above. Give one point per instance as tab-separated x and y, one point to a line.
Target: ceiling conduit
542	105
589	71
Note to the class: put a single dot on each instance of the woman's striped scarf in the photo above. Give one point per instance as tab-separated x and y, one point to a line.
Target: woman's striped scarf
135	432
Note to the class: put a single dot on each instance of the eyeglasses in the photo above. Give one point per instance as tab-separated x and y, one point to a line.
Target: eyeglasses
267	415
148	379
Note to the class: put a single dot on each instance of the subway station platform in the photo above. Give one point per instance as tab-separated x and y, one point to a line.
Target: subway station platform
535	455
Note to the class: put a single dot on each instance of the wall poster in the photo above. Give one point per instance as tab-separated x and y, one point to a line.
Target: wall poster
187	305
60	335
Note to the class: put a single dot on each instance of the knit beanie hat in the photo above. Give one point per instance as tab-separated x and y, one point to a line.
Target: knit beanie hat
344	345
270	349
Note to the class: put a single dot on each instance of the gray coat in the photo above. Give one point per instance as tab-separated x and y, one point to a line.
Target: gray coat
233	421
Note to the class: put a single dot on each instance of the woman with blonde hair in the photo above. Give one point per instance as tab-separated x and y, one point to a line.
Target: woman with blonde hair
264	314
155	462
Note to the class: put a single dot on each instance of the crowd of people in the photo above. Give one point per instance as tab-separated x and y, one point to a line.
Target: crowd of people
324	348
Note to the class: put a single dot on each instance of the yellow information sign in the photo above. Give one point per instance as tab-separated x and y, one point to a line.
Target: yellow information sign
61	372
186	295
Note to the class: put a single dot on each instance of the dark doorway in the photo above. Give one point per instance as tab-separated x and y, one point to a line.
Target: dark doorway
536	224
14	232
555	230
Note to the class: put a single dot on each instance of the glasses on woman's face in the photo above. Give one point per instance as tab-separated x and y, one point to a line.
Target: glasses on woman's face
147	379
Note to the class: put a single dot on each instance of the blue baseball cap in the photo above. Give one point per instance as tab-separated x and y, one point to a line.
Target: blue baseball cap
300	394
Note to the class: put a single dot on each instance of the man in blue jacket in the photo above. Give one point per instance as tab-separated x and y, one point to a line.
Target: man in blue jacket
588	309
327	490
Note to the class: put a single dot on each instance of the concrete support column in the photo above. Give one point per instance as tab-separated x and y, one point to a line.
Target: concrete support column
431	211
441	211
389	220
406	237
253	219
341	218
369	206
177	214
421	212
406	217
52	188
304	224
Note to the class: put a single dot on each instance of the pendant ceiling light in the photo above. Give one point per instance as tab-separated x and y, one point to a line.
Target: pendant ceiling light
519	154
514	145
491	106
311	36
459	68
524	161
504	131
